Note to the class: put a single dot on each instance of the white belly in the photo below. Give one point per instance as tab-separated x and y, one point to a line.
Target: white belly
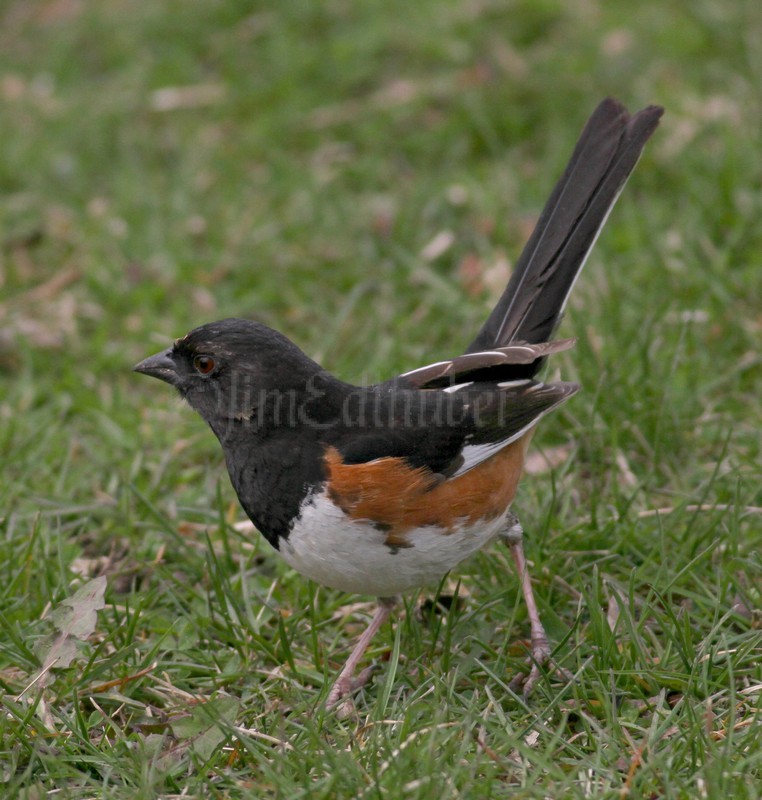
352	556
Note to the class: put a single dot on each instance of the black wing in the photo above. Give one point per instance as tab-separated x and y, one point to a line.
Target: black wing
447	431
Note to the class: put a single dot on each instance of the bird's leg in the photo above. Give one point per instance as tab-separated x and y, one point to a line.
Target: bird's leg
346	683
540	653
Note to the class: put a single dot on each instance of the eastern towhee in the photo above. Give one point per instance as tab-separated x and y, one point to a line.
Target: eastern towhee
381	489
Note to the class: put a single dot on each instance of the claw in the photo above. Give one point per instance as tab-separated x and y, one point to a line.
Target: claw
540	657
346	686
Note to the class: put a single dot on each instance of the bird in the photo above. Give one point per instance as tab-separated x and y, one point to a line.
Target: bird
383	489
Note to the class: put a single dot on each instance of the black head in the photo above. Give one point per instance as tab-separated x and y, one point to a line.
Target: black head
235	370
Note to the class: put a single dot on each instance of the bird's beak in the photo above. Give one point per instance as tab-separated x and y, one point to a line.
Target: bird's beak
160	366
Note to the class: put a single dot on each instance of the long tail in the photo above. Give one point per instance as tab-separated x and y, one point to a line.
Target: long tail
533	302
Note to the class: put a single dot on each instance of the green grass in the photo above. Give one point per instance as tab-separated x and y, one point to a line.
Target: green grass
314	157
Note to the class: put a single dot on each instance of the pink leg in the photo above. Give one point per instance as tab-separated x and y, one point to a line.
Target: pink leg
540	646
346	683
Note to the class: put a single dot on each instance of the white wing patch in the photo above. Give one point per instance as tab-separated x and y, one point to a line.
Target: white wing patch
516	353
444	365
457	387
514	384
475	454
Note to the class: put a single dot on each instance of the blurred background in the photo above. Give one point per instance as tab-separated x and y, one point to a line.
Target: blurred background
362	175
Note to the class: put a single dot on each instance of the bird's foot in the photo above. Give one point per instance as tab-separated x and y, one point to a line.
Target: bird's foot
340	698
540	657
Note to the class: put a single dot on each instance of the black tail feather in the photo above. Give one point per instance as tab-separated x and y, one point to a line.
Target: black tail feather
533	302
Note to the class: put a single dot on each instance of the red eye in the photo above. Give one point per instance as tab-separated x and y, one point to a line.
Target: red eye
203	364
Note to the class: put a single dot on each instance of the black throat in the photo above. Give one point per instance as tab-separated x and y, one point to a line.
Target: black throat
273	476
275	450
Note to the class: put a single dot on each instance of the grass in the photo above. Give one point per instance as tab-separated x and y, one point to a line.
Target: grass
314	151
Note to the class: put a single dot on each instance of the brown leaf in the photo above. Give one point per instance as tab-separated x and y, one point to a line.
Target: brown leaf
75	619
539	461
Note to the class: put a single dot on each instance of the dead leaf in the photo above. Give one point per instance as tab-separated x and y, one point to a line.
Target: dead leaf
173	98
438	246
76	619
612	612
626	475
470	272
539	461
